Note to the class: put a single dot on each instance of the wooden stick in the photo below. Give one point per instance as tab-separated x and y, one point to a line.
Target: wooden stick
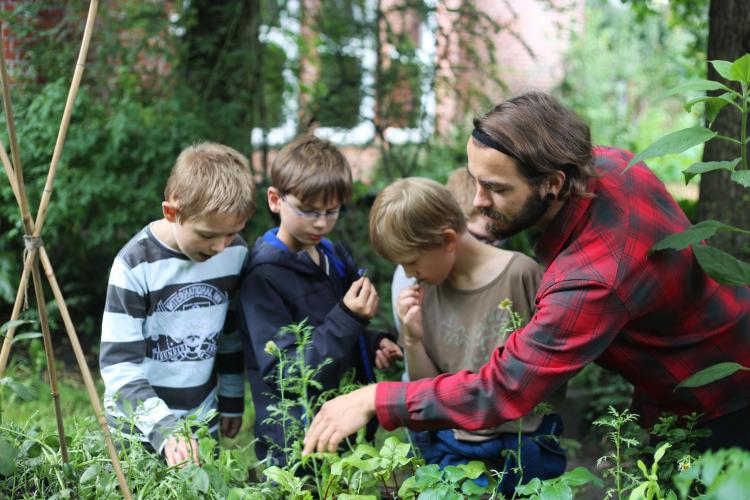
49	351
62	133
87	379
35	229
9	169
16	310
12	137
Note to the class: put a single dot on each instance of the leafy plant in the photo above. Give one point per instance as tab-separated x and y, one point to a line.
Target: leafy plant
560	487
619	436
716	475
720	265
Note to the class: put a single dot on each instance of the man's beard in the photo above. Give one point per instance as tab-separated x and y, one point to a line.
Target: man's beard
531	211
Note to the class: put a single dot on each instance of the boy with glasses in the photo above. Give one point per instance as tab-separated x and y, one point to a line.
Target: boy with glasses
297	274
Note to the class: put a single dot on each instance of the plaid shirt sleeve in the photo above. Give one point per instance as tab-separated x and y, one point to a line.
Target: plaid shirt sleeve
574	323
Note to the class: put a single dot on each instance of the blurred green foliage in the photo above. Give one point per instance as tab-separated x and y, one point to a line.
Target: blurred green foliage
618	69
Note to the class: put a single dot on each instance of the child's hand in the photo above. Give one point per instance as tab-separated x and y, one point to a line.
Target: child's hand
179	450
409	309
387	352
230	426
362	298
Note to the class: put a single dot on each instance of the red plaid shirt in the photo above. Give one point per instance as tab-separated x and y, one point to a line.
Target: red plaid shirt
656	319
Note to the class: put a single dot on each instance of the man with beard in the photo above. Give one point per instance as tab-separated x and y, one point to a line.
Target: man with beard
656	319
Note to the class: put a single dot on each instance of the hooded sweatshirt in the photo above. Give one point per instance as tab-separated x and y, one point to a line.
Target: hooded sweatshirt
283	288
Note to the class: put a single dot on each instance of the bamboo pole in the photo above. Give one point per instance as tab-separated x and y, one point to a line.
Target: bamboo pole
49	351
21	198
35	228
67	112
85	372
16	310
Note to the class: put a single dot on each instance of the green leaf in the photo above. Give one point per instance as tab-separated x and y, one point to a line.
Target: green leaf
8	454
735	484
440	492
708	166
742	177
427	475
26	336
711	374
473	469
724	68
14	324
639	492
52	440
721	266
408	486
693	235
580	476
470	488
741	69
90	474
346	496
715	104
556	491
676	142
24	392
278	475
531	488
31	448
696	86
712	105
197	477
642	467
453	474
660	452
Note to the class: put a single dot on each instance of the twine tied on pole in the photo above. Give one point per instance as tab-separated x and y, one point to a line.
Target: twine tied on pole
30	242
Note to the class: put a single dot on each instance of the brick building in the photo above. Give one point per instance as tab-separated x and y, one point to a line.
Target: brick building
528	40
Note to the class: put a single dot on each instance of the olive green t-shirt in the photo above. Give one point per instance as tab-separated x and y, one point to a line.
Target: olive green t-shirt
463	327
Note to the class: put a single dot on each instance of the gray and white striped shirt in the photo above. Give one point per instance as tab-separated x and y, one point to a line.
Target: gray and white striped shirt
168	336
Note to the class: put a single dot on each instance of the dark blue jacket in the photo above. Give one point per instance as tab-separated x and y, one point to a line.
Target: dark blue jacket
282	288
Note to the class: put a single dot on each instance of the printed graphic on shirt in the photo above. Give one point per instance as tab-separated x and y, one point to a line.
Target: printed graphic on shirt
194	347
469	346
199	335
192	296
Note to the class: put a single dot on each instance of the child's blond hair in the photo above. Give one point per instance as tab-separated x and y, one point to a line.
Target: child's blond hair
463	189
312	170
208	178
410	215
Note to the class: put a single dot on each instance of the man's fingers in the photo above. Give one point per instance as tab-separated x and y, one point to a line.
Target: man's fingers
311	438
324	441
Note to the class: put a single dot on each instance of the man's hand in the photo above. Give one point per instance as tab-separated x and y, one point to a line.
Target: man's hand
362	298
339	418
178	450
230	426
387	352
409	309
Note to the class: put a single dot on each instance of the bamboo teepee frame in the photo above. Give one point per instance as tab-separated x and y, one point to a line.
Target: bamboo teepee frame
35	252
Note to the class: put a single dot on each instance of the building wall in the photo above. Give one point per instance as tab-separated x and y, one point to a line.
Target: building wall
530	46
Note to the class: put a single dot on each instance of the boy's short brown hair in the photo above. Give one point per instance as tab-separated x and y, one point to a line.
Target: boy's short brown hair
410	215
463	189
209	177
312	169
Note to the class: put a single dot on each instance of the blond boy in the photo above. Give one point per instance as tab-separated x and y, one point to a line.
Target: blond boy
450	320
167	327
297	274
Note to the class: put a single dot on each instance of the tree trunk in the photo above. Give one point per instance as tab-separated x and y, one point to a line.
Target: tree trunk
720	198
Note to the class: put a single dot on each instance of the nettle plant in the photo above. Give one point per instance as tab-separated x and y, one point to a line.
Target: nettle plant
721	266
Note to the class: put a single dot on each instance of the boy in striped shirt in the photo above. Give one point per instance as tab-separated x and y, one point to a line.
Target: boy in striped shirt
169	346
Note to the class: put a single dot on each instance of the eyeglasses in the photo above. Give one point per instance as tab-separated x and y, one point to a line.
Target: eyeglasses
313	215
